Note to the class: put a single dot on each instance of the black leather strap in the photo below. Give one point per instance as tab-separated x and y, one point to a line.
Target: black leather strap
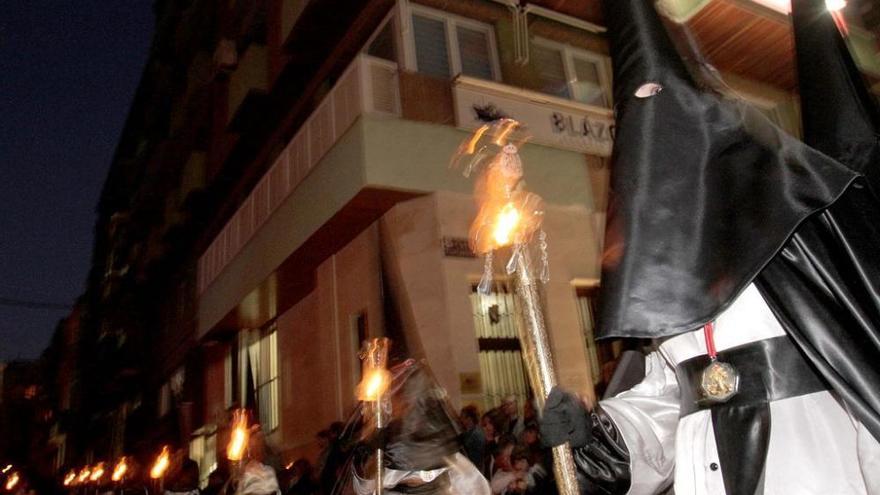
769	370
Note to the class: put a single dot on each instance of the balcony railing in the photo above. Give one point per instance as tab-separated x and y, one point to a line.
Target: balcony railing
368	86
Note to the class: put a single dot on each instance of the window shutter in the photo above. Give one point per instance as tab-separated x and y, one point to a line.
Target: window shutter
473	48
432	56
588	86
550	71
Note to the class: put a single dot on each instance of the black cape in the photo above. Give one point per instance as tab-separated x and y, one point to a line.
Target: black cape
709	196
824	286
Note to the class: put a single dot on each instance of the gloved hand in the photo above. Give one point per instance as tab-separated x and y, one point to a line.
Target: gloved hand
565	419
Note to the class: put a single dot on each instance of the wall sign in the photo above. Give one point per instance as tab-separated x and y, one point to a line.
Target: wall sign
551	121
457	247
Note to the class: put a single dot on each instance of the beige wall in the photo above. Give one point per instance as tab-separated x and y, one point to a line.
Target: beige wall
317	345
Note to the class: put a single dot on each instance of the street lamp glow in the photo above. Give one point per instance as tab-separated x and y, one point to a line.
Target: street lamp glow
835	5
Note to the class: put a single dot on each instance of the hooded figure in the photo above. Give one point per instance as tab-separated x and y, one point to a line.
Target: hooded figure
726	233
422	451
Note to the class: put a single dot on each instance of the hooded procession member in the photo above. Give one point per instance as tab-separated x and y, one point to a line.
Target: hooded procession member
422	450
750	258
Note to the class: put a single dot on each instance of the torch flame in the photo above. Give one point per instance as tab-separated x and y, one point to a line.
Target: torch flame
239	439
98	472
119	470
506	224
84	475
376	376
7	468
375	384
161	464
70	478
12	481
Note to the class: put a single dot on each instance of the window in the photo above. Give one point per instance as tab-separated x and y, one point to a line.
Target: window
264	356
586	304
251	369
445	45
567	72
164	399
203	450
383	43
496	323
359	334
602	356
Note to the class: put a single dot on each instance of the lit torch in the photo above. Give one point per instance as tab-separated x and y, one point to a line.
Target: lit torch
83	475
12	481
238	440
157	473
119	470
7	468
97	472
510	216
161	464
372	388
70	478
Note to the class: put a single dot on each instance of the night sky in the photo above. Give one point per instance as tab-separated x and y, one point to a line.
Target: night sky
68	73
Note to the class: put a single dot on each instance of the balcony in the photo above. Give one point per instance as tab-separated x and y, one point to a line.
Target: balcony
368	86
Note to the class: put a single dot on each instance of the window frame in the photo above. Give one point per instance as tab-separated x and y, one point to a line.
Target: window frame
450	23
570	52
392	19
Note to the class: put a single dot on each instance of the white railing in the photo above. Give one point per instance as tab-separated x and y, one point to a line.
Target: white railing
368	86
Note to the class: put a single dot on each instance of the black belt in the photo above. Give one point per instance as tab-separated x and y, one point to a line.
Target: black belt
769	370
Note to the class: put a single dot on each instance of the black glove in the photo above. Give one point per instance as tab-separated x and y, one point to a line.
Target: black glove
603	464
564	420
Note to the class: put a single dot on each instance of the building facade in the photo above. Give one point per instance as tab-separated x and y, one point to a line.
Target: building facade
282	192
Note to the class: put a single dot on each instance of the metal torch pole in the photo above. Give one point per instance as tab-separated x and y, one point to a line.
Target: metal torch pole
380	462
539	361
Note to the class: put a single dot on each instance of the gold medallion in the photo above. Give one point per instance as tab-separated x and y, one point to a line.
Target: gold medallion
719	382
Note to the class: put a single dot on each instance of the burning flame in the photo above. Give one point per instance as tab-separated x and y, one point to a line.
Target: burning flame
12	481
239	439
83	475
7	468
161	464
376	375
375	384
506	224
119	470
70	478
98	472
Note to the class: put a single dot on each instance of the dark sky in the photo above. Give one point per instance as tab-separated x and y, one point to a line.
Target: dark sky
68	72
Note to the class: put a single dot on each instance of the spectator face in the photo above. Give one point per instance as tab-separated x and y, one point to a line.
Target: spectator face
509	407
521	464
502	458
530	436
488	427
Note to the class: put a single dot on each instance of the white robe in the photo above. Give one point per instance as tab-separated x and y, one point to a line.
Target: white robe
816	446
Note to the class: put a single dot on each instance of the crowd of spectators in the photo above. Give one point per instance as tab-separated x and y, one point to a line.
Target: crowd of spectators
506	445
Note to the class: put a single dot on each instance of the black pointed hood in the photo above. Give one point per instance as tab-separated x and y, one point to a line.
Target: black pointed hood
704	191
840	117
644	51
